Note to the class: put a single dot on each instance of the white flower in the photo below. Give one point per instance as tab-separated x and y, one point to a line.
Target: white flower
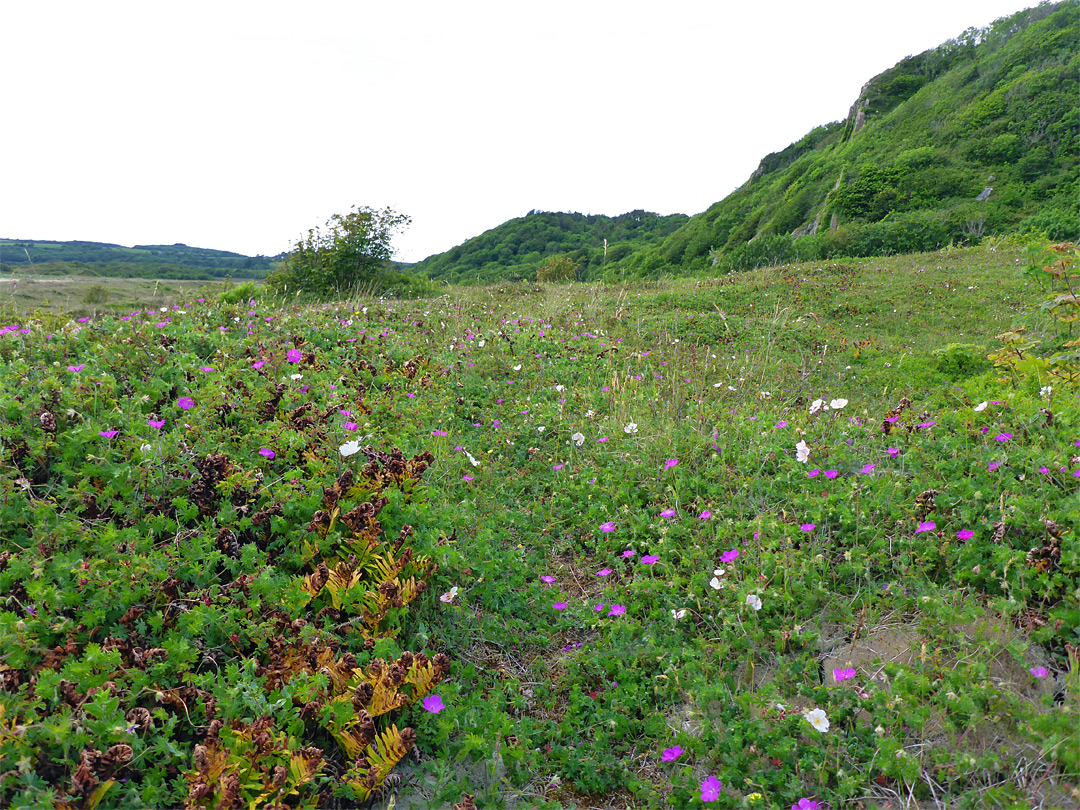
481	343
715	583
837	403
802	451
1045	392
980	407
817	718
146	448
472	460
678	614
449	596
754	601
719	571
817	405
296	376
540	428
732	388
560	388
517	367
578	439
766	395
349	448
630	428
589	414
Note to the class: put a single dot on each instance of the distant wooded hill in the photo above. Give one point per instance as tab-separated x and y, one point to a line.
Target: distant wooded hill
516	248
977	137
142	261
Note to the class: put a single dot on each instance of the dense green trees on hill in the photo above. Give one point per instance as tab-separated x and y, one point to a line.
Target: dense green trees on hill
517	248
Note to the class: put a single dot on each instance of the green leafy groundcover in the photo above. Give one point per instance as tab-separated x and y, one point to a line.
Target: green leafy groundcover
645	546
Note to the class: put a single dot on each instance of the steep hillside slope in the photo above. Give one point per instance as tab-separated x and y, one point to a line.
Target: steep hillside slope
977	136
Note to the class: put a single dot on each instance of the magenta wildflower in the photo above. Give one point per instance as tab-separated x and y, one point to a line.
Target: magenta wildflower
608	527
671	462
350	426
79	367
808	527
207	369
617	610
1003	437
628	553
598	607
1039	672
965	534
668	513
603	572
650	559
805	804
108	434
558	467
843	674
602	439
705	515
547	578
893	451
868	469
185	403
293	356
559	606
156	423
710	789
993	465
926	424
258	364
729	556
781	424
814	473
467	478
267	453
671	754
925	526
831	474
433	704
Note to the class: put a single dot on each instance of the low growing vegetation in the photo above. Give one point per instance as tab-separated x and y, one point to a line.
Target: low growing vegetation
783	538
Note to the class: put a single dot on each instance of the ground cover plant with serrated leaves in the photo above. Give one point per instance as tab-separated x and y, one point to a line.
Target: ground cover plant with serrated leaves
783	538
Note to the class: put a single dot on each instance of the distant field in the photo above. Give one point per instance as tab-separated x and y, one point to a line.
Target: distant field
91	296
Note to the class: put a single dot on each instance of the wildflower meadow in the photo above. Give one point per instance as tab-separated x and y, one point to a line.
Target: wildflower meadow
779	539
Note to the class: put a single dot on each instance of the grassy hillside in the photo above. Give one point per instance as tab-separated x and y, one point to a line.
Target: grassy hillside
515	249
733	542
142	261
992	111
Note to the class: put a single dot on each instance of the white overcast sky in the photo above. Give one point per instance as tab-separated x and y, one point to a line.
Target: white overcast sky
239	125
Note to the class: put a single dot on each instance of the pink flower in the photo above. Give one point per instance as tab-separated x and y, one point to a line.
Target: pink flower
603	572
843	674
868	469
813	473
1003	437
266	452
893	451
608	527
729	556
671	462
668	513
926	526
559	606
602	439
650	559
293	355
258	364
671	754
710	789
108	434
617	610
185	403
598	607
433	704
965	534
805	804
808	527
467	478
156	423
831	474
1039	672
79	367
628	553
705	515
547	578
